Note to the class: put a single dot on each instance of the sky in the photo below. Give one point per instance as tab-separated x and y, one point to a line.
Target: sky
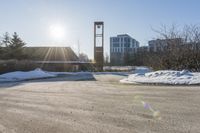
33	19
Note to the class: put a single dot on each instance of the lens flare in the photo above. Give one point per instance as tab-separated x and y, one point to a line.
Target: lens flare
156	114
138	98
147	106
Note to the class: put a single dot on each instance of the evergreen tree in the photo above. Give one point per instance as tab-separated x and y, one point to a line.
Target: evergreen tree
6	40
4	50
16	42
1	50
16	47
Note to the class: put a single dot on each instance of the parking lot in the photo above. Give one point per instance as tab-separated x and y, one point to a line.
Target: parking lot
99	106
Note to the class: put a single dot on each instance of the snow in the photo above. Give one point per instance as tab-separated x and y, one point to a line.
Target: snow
40	74
164	77
142	75
19	75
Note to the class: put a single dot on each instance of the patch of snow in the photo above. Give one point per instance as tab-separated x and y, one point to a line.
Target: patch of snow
164	77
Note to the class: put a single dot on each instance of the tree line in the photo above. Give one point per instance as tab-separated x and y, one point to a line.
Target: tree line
11	47
177	55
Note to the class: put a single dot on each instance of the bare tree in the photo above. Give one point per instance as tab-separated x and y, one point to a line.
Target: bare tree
183	47
83	57
181	50
106	59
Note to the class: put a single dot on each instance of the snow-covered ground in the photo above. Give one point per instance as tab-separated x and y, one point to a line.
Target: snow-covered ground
163	77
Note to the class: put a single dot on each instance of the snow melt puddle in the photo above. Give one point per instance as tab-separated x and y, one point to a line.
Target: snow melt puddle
164	77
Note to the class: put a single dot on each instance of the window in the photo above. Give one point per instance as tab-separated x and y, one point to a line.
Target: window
115	39
127	40
127	45
115	44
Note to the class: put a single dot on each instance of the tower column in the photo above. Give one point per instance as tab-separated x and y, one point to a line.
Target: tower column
99	45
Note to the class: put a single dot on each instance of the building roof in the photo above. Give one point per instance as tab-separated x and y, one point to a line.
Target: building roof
123	35
50	53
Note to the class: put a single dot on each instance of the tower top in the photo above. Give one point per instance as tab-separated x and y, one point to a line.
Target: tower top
99	22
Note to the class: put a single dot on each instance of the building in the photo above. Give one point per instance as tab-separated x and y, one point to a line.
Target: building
120	46
61	54
46	58
53	58
163	44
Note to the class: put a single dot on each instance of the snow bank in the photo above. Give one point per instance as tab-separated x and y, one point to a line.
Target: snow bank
39	74
164	77
19	75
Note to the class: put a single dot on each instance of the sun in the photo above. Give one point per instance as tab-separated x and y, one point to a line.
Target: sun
57	32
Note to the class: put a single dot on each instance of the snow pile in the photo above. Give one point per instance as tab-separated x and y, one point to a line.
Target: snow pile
40	74
19	75
164	77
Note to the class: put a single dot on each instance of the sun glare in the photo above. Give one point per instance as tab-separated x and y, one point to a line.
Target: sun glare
57	32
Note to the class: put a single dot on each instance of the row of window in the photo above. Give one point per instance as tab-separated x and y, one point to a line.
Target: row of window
116	39
120	50
128	45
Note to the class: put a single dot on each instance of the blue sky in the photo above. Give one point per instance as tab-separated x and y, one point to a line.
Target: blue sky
31	19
